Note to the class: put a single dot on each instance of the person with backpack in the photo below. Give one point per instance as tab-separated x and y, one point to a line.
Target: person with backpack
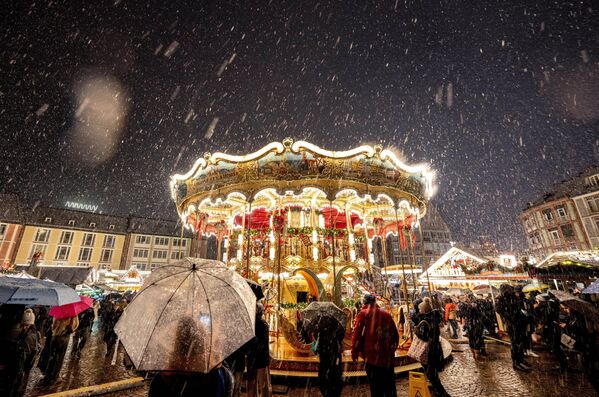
426	327
375	338
28	345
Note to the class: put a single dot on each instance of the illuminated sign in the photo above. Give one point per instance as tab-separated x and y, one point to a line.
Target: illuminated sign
81	206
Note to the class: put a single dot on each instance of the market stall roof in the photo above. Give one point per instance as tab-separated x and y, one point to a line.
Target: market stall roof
69	275
457	264
440	268
586	259
571	264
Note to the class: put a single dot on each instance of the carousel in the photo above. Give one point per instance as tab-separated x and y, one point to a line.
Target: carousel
307	224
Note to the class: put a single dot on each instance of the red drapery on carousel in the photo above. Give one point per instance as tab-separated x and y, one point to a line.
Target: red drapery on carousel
404	227
259	219
339	218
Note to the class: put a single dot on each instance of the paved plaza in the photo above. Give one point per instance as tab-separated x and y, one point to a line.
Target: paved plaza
463	377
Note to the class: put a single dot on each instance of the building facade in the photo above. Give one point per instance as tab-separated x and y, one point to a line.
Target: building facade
556	222
64	237
152	243
10	228
587	204
436	237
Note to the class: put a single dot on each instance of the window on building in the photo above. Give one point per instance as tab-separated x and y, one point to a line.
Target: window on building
3	227
88	239
104	266
42	235
62	253
41	248
140	253
161	241
48	219
554	235
176	255
66	238
594	180
593	204
85	254
596	222
71	222
159	254
426	236
142	240
110	227
140	266
567	231
109	241
92	224
548	215
82	264
106	255
178	242
561	211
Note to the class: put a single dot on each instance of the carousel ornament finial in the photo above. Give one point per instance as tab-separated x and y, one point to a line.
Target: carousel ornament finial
377	150
287	143
207	156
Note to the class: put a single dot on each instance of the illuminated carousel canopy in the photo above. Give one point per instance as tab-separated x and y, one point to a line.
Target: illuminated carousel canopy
305	173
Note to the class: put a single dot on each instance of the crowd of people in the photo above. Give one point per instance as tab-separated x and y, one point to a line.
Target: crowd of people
29	335
528	322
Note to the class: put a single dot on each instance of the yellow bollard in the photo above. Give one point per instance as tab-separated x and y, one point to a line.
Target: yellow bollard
418	385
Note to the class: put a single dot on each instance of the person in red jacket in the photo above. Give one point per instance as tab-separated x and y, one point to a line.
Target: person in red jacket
375	339
451	315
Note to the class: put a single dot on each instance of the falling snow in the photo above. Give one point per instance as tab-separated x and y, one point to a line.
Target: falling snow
103	104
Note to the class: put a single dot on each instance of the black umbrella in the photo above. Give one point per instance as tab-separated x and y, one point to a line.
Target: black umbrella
583	307
256	288
315	310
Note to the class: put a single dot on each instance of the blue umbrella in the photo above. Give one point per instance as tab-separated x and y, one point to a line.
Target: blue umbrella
592	289
23	291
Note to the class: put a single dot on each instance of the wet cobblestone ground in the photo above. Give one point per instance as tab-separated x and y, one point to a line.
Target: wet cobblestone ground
463	376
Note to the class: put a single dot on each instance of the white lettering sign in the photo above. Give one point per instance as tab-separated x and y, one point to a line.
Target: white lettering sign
81	206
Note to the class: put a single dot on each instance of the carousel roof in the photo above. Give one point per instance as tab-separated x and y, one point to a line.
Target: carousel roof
302	171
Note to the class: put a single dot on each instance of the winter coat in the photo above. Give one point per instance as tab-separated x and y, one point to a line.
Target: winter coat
259	355
28	345
426	327
216	383
450	311
375	336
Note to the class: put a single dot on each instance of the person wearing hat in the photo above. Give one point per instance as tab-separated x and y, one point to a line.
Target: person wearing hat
28	345
375	339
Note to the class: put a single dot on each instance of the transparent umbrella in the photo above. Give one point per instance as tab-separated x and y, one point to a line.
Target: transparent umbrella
188	317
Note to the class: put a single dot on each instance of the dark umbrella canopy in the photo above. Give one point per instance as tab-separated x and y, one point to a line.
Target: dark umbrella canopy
588	310
188	317
315	310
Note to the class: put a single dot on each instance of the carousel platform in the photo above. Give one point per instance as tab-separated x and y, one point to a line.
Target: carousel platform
290	362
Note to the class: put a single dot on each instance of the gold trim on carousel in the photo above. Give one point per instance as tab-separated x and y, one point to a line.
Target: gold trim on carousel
297	147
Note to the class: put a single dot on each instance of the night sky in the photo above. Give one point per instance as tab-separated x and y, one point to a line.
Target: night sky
100	102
